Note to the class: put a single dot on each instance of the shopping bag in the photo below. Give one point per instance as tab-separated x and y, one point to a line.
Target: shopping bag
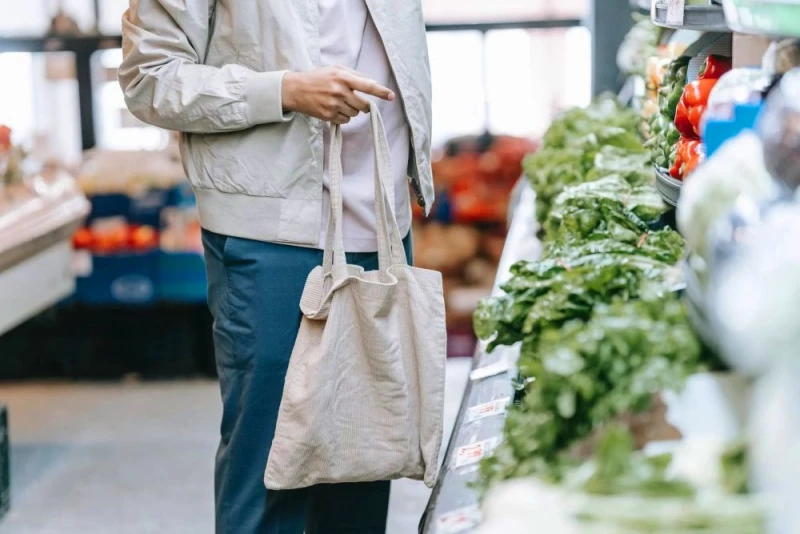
364	391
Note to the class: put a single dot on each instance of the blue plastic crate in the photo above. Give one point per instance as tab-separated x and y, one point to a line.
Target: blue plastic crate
182	195
182	277
146	207
129	279
111	205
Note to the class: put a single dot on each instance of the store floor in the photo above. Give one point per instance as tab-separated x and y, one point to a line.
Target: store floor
137	458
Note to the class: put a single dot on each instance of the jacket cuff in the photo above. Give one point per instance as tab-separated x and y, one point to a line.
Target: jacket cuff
263	98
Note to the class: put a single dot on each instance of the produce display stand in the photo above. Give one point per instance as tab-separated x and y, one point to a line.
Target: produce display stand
41	251
453	507
710	18
668	187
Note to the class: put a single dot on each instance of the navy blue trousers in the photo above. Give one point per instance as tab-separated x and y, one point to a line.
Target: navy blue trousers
254	291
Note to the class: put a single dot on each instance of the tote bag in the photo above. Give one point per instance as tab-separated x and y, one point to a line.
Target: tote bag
364	391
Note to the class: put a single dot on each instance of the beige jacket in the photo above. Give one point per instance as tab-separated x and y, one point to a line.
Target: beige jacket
212	69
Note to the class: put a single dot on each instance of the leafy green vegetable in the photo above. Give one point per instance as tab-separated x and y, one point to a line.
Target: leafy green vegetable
548	293
736	469
605	111
588	373
633	165
618	470
663	245
643	200
600	329
584	144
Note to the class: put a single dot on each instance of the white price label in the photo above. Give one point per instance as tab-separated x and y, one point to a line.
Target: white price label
458	520
487	409
475	452
675	12
82	264
490	370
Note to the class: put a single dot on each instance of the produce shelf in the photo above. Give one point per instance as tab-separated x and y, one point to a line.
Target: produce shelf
710	18
36	268
668	187
777	18
453	506
35	284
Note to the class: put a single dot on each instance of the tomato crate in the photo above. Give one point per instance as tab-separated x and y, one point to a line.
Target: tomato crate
109	205
182	277
129	279
143	209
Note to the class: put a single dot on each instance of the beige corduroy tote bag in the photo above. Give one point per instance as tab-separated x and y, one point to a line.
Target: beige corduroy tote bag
364	391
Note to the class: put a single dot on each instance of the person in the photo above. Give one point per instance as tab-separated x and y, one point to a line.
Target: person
253	88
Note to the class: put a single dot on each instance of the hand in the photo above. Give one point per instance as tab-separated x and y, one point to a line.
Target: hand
329	93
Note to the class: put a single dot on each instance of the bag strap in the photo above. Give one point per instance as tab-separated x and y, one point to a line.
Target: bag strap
390	242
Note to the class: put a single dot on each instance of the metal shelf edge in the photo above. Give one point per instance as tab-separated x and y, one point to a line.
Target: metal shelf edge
697	18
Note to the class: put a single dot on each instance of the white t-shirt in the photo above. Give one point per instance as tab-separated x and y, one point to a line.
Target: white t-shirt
348	37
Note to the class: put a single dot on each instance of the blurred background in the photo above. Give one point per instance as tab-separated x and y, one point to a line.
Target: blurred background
109	408
105	347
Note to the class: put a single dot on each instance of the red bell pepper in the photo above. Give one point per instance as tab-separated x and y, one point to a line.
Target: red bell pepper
682	122
694	100
689	156
714	67
692	157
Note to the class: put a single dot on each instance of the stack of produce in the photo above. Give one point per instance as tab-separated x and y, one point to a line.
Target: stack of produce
663	133
114	236
675	131
601	328
687	153
570	148
476	176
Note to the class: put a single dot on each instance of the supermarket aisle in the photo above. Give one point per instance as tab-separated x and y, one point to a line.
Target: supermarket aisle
136	458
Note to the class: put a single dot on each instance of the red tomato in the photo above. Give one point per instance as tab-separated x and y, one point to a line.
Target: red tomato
143	238
82	239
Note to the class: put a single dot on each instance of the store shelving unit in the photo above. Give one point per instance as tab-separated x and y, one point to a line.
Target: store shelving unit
710	18
453	506
39	249
764	17
668	187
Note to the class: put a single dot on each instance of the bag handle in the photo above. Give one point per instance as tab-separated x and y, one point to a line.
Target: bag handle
390	242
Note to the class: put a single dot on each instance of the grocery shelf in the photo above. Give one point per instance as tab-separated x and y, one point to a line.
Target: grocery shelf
777	18
668	187
710	18
453	506
36	283
36	251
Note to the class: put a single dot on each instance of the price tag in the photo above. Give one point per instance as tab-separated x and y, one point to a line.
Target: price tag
475	452
487	409
458	520
675	12
496	368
